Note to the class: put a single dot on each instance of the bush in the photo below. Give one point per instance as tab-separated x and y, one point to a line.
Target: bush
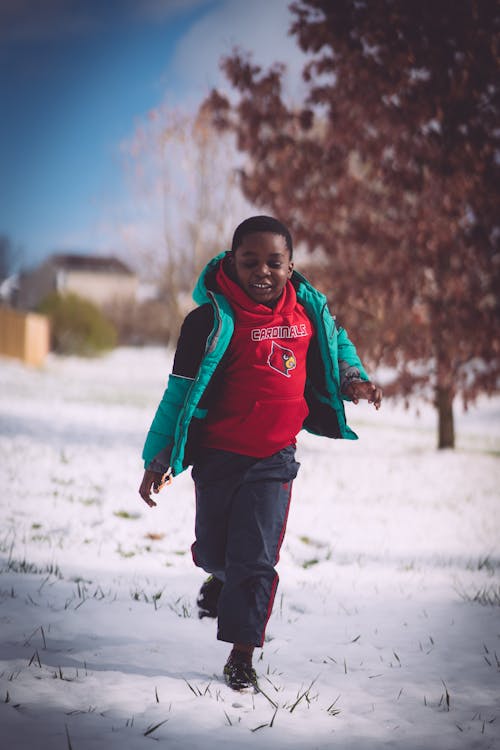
77	325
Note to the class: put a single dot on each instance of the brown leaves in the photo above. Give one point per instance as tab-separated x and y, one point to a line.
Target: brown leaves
388	169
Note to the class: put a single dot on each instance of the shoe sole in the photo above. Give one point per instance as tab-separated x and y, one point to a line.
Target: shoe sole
205	613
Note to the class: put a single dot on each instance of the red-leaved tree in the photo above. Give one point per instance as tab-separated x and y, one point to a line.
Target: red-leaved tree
388	170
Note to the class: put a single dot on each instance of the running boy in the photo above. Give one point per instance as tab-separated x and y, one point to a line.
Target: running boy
260	358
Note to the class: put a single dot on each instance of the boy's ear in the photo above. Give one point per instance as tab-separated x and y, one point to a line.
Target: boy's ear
290	269
230	265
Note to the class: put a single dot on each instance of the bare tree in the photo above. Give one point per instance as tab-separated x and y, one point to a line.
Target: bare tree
185	179
6	253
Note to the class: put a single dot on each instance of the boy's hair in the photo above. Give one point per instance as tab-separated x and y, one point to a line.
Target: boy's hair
261	224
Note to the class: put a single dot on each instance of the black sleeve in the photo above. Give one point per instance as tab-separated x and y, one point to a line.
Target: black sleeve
192	341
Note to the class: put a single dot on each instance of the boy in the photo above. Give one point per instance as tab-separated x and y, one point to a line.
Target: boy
259	359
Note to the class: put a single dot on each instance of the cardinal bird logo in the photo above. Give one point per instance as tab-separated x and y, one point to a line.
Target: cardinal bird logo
281	359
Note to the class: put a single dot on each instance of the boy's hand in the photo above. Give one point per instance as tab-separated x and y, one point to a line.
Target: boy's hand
364	389
152	480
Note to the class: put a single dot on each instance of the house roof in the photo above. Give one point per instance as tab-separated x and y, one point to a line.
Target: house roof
96	263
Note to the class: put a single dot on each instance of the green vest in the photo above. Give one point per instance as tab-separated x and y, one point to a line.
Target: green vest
179	405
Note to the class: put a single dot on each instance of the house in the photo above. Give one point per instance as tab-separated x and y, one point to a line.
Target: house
102	280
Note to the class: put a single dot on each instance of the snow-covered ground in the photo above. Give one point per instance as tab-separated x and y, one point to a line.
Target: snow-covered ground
381	637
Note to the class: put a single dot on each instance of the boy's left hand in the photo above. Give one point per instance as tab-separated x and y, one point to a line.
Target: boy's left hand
364	389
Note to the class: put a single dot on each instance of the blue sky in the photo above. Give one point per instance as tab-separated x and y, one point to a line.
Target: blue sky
76	76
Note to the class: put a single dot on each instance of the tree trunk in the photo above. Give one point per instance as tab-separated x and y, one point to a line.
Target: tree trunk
446	427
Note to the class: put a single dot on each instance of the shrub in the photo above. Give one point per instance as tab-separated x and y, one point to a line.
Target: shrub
77	325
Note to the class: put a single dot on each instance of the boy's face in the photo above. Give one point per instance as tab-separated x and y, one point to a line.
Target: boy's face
262	266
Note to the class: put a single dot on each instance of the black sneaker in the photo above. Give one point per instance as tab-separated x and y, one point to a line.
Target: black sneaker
208	597
240	675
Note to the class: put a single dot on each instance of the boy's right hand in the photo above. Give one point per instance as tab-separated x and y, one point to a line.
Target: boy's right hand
152	480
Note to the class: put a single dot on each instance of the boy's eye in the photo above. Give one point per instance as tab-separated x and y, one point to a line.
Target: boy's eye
253	264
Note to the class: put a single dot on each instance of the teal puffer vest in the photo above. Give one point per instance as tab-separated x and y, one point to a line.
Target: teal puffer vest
180	403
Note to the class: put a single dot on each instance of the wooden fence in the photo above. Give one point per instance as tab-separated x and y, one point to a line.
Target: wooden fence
25	336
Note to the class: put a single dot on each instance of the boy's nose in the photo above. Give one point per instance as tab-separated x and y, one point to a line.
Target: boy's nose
263	270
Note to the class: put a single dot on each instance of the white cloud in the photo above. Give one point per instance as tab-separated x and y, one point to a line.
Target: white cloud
260	27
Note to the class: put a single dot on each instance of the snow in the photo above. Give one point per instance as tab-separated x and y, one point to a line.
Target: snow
375	641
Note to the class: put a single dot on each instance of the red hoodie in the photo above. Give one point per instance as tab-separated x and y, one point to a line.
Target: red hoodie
260	406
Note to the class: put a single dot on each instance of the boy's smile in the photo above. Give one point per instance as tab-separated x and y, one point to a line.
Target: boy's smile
262	266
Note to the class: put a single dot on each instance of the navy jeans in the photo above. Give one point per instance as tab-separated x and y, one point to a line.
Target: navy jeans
241	512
